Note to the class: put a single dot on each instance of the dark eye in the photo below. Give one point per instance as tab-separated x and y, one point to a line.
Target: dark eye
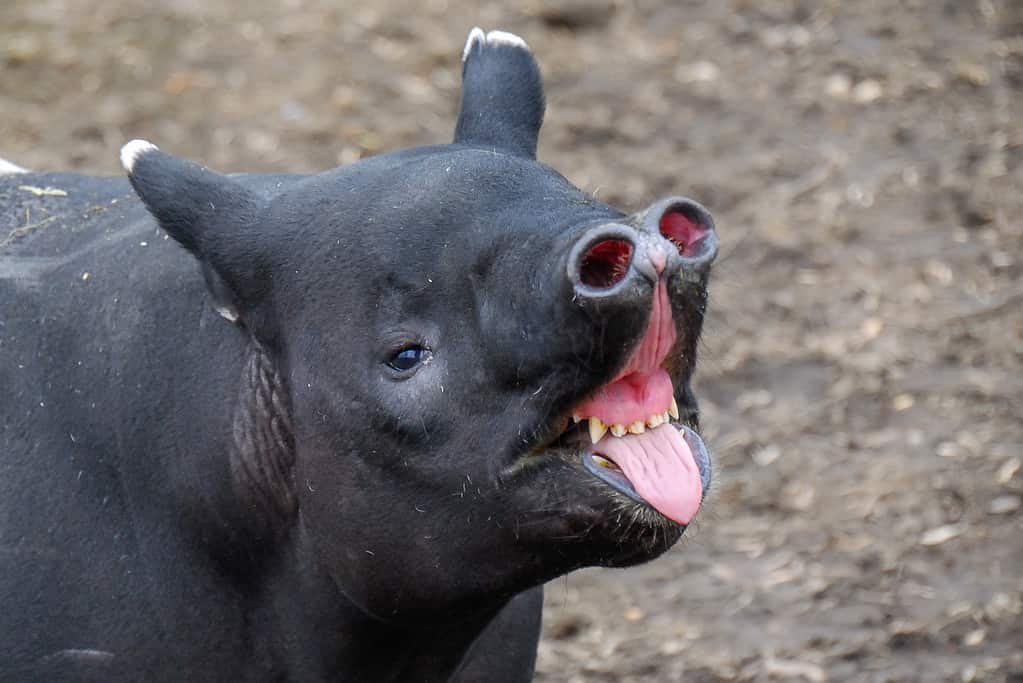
408	358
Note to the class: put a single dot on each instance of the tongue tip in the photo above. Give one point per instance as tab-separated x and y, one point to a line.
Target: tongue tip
683	510
682	506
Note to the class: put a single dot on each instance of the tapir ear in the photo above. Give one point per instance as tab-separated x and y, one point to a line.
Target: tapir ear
209	214
502	94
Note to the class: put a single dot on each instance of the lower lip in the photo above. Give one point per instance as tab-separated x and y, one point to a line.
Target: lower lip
614	477
700	455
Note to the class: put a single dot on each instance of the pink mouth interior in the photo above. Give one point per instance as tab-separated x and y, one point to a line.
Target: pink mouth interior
658	462
642	388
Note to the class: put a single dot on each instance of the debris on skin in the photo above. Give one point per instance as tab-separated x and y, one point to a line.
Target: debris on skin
43	191
863	164
26	229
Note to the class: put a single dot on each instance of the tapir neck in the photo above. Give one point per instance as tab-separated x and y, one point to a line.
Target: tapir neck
239	503
332	639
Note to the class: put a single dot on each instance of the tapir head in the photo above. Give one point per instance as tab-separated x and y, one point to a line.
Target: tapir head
466	376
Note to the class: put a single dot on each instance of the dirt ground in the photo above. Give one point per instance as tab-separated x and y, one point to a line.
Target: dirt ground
861	374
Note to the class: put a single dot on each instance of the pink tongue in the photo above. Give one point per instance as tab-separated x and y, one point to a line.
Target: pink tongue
660	465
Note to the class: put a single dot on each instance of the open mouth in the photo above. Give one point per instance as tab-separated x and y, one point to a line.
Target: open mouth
629	435
665	467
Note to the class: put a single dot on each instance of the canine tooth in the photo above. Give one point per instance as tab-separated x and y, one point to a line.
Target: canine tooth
576	419
603	462
654	421
597	429
673	410
618	430
637	427
665	418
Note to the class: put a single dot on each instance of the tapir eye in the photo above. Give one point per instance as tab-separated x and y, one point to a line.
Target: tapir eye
408	358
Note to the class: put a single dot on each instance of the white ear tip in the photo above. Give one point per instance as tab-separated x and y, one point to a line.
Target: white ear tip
8	167
505	38
475	36
131	152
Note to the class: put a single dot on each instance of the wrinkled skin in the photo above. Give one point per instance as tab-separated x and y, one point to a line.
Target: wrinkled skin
219	473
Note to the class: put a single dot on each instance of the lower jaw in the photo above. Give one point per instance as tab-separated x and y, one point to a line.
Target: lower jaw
632	534
574	519
570	519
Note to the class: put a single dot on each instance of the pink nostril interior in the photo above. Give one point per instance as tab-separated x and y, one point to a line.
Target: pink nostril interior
606	263
683	231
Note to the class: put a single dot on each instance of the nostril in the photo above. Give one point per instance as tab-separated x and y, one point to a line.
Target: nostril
686	231
606	263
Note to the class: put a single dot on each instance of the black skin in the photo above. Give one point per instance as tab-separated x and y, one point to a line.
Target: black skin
266	497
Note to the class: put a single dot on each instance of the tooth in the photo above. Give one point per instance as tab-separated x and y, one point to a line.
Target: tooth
618	430
576	419
665	418
654	421
673	410
597	429
637	427
603	462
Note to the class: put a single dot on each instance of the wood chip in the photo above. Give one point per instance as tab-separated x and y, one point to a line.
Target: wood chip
902	402
1005	505
867	91
766	455
1008	470
698	72
974	638
941	534
871	328
755	398
949	449
974	74
791	669
838	86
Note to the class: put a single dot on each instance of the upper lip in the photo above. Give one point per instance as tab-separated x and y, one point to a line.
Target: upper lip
555	430
598	428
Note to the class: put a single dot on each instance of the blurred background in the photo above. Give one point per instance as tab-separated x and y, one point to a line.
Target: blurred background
861	373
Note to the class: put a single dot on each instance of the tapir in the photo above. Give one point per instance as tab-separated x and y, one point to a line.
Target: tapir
343	426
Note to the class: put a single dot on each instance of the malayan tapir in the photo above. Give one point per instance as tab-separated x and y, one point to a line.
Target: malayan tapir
350	429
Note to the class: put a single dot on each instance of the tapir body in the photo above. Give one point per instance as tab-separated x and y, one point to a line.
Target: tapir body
339	427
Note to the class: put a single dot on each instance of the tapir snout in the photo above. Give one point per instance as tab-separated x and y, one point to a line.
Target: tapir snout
673	238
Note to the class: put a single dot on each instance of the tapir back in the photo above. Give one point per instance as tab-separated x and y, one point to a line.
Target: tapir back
101	317
82	269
